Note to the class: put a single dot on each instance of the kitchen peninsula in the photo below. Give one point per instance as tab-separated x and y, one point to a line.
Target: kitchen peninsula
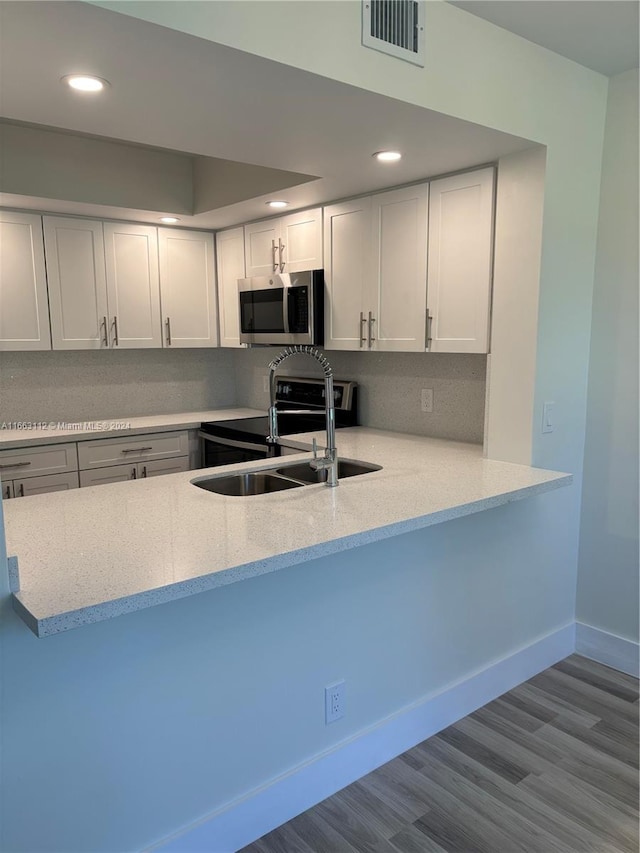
84	556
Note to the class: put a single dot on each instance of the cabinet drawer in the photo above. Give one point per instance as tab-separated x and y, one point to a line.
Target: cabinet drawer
36	461
114	451
41	485
164	466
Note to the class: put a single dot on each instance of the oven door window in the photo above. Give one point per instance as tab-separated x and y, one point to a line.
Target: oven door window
262	311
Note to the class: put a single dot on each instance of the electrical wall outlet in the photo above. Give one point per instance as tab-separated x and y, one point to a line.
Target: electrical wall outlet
426	399
334	702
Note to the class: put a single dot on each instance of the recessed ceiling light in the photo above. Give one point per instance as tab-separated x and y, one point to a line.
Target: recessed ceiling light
387	156
277	203
85	82
169	220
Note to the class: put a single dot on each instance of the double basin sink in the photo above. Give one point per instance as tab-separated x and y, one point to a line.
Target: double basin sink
284	477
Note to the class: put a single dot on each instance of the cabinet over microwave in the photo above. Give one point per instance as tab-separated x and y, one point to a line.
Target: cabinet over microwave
282	308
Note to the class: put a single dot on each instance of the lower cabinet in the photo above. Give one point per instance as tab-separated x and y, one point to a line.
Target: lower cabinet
54	467
137	471
39	485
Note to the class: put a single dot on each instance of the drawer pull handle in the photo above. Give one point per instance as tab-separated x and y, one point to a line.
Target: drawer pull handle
15	465
136	449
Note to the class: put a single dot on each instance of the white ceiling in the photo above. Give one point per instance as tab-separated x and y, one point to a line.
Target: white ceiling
600	34
175	91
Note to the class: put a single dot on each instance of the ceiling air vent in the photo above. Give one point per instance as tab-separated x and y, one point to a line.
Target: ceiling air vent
395	27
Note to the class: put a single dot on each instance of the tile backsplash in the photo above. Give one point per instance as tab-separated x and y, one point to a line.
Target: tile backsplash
85	385
389	388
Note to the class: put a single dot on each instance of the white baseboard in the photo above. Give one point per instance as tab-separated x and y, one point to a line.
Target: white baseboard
239	823
609	649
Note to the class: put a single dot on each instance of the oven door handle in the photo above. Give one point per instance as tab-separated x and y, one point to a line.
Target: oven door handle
230	442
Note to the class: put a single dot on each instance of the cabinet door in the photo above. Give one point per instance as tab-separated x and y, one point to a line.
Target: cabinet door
230	261
163	466
261	247
41	485
77	283
114	474
348	266
133	288
187	288
300	245
460	258
24	316
399	241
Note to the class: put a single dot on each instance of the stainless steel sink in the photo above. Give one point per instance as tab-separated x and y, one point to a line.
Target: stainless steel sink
304	472
286	477
248	483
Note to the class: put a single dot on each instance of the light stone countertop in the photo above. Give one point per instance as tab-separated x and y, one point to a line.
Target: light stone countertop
57	432
91	554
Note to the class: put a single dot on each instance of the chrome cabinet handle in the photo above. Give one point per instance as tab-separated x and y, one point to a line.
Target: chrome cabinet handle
106	331
429	324
144	470
135	449
168	325
274	249
21	490
8	492
371	322
363	338
134	474
282	248
116	339
15	465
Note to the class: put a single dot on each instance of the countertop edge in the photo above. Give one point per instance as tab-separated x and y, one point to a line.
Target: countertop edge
50	625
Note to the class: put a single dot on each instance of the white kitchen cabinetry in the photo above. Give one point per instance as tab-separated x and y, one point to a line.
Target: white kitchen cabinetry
187	288
133	288
460	262
289	244
376	272
39	485
77	283
36	470
24	316
230	263
135	471
111	451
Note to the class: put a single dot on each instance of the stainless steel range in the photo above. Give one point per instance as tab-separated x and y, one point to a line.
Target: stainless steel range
301	408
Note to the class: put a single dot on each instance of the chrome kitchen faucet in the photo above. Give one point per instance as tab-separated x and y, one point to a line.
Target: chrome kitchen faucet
328	462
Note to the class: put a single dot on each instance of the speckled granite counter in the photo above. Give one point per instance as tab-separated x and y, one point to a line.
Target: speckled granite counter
55	432
91	554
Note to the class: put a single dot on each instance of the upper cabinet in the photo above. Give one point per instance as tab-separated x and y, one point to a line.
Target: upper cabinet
24	320
382	296
187	288
133	289
77	283
289	244
376	272
230	264
460	262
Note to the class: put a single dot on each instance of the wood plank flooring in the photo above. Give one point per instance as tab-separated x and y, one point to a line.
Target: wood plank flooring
550	767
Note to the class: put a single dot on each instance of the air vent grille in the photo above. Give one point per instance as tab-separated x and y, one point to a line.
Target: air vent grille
395	27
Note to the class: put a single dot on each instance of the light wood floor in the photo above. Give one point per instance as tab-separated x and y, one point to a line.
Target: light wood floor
550	766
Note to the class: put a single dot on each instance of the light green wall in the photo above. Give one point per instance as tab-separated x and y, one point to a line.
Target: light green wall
608	566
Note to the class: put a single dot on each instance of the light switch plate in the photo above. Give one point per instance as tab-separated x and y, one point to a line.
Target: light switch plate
548	416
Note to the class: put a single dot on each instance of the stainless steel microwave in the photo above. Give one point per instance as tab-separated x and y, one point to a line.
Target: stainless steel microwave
282	308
